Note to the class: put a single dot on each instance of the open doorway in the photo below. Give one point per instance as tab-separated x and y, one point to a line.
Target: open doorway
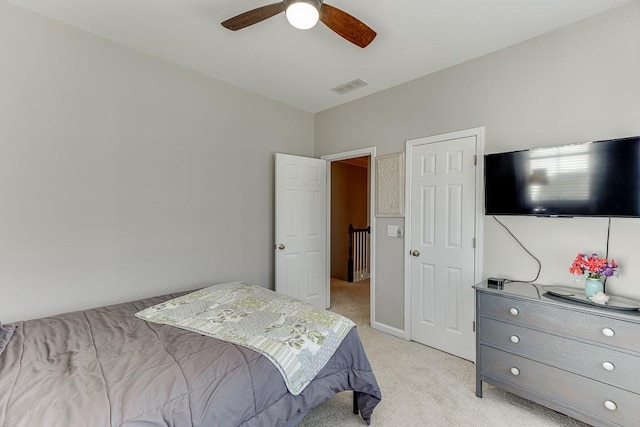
351	234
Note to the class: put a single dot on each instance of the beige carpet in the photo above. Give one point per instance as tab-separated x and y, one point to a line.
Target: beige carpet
421	386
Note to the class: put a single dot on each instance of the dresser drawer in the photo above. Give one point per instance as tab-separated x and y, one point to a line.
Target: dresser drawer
561	319
602	364
555	385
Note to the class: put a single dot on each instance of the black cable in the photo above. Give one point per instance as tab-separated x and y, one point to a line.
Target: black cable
606	255
608	234
525	249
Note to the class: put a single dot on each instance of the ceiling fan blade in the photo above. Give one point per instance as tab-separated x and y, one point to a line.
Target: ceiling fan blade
346	26
253	16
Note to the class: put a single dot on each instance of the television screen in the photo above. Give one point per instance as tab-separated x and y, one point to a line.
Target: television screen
589	179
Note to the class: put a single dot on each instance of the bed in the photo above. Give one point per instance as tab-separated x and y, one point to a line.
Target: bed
105	367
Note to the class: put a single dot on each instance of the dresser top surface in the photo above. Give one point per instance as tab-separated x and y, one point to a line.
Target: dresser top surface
537	292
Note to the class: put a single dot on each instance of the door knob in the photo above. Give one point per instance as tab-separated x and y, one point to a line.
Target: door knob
281	247
415	252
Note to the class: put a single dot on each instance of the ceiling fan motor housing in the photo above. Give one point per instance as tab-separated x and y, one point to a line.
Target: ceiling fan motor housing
315	3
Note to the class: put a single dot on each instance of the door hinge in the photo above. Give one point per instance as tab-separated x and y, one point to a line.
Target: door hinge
473	243
475	160
474	326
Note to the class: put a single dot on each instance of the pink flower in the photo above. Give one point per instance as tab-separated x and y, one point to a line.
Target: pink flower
592	266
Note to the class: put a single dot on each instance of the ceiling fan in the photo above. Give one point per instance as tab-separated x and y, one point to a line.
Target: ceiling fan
305	14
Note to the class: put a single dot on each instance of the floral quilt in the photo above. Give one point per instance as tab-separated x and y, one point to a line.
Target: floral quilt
298	338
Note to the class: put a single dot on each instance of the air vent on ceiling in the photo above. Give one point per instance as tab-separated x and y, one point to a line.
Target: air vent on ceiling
350	86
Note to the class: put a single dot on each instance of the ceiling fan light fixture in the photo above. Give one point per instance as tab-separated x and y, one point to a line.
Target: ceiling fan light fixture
303	14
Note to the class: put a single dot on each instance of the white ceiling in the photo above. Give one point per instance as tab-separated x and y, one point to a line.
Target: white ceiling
298	67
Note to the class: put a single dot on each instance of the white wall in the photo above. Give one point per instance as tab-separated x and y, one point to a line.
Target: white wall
124	176
577	84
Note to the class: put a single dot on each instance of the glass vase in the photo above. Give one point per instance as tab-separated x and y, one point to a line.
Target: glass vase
592	286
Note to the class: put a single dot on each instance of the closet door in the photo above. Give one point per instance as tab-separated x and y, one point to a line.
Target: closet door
442	240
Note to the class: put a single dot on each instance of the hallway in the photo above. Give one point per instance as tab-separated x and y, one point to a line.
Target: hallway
351	300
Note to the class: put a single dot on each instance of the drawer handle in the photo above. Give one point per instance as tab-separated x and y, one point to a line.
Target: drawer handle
514	311
608	332
610	405
516	371
608	366
515	339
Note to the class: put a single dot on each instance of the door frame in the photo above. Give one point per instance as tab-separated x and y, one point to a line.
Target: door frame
371	152
478	133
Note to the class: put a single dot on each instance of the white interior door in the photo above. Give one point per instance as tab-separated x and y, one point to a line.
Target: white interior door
442	243
301	228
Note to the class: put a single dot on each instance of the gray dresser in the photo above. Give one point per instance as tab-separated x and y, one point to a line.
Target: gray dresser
581	360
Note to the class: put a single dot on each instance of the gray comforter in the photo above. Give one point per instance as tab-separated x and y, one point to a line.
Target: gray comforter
104	367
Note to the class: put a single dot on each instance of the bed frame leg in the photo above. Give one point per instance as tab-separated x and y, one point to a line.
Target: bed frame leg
355	402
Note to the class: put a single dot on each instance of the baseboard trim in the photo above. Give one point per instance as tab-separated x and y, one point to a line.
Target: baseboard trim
388	329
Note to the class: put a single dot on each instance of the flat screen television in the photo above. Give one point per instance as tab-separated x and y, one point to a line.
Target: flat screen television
599	178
